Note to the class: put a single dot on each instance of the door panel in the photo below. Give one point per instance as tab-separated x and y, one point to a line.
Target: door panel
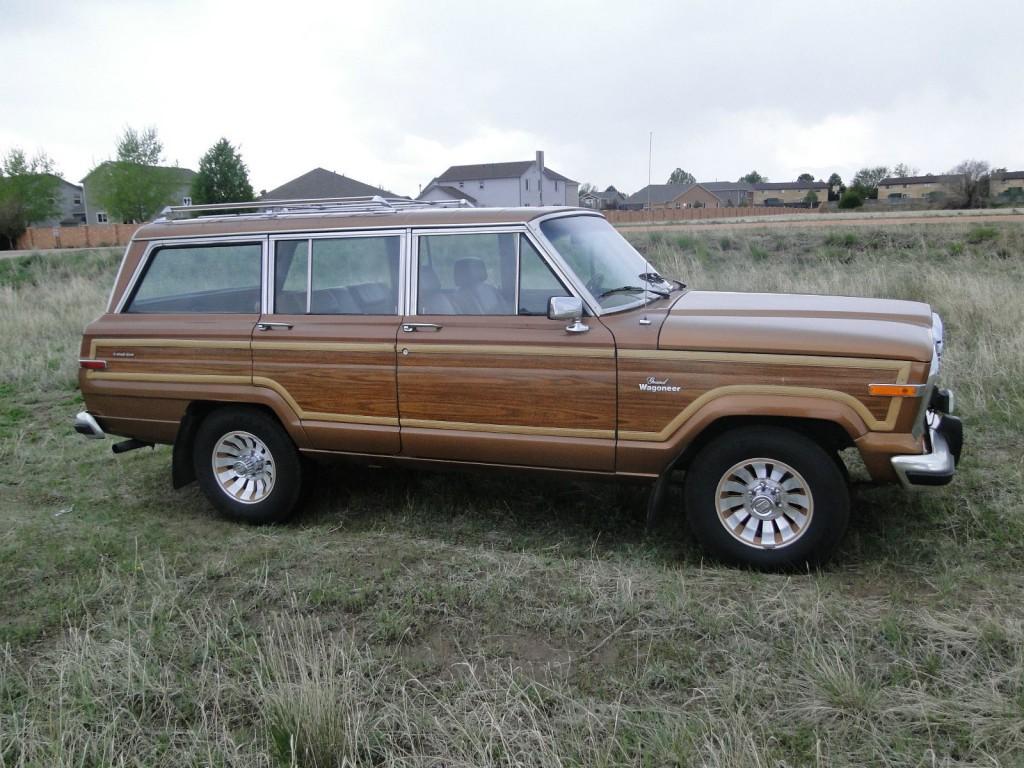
508	390
330	352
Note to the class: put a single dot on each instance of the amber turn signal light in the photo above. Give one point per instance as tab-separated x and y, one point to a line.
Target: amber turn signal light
896	390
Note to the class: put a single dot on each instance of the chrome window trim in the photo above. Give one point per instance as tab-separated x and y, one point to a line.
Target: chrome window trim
521	229
156	244
309	237
588	298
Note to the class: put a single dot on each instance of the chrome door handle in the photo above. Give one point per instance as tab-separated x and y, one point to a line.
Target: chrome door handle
272	326
413	327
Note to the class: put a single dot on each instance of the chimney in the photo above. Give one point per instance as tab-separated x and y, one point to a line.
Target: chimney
540	170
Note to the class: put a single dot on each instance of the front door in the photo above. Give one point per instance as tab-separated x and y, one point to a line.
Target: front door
328	344
484	376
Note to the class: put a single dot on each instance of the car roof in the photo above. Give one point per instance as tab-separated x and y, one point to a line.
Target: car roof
278	222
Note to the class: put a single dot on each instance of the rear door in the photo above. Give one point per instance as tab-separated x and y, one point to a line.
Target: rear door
484	376
327	342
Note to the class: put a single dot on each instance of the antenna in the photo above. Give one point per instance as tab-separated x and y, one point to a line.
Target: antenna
650	214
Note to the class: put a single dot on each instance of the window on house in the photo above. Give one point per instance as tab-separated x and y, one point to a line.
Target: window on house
76	200
223	278
101	218
481	185
460	185
186	201
556	185
527	185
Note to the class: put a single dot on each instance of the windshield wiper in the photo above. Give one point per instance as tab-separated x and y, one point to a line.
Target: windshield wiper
632	289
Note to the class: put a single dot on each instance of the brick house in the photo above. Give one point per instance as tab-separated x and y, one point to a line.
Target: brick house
1006	186
712	194
927	188
788	193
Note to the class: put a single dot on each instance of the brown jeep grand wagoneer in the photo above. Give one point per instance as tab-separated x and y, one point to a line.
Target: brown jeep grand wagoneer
252	337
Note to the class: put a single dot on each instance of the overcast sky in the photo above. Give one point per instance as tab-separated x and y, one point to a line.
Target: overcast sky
392	93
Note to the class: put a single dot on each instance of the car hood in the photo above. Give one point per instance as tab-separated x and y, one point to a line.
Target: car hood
799	324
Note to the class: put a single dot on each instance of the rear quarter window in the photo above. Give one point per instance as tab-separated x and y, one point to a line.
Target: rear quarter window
215	279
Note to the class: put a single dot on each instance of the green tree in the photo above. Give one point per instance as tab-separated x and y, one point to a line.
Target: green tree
805	177
222	177
835	186
811	198
866	181
754	178
28	194
679	176
134	187
851	199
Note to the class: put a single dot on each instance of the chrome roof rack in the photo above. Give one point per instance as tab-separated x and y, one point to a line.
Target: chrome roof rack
308	206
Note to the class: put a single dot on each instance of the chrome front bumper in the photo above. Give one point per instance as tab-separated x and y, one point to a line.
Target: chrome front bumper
86	425
938	465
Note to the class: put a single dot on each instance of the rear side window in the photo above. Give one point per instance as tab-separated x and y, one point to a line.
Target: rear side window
337	276
216	279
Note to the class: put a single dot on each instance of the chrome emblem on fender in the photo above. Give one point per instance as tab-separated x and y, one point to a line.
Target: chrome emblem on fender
658	385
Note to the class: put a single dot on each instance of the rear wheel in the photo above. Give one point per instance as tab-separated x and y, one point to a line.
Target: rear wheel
247	465
767	497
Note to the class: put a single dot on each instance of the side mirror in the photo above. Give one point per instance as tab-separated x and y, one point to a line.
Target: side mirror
568	308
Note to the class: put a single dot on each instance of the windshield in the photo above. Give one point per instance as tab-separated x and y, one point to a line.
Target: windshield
614	273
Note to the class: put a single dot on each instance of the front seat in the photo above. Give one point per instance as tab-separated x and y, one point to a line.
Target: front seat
476	296
432	300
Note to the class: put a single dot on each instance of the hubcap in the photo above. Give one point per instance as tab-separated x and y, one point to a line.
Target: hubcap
764	503
244	467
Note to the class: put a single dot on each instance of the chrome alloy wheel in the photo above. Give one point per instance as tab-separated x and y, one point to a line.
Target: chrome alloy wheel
764	503
244	467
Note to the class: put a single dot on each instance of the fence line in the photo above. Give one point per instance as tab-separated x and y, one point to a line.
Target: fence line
85	236
687	214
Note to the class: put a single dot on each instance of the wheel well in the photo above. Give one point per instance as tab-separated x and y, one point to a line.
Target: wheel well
827	434
182	469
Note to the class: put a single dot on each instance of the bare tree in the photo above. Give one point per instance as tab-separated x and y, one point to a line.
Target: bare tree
903	170
973	184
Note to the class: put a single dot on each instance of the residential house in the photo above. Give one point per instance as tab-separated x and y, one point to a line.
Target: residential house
789	193
1006	186
920	188
712	194
503	185
610	199
70	205
179	182
320	183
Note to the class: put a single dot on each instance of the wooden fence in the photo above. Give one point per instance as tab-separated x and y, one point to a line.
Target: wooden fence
687	214
85	236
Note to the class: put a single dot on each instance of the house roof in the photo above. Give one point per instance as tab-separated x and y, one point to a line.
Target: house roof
323	183
659	193
1008	175
63	181
186	174
726	186
495	171
611	193
949	178
456	194
767	186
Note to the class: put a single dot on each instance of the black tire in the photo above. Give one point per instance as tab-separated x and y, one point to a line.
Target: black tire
285	465
721	465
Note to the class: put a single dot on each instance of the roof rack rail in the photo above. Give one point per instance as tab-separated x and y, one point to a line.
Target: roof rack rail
363	204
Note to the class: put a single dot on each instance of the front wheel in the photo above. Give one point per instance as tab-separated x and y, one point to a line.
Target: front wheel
767	497
247	466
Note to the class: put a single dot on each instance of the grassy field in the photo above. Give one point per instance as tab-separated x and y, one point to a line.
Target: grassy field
445	620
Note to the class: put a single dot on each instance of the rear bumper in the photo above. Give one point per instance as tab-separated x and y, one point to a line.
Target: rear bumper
938	465
86	425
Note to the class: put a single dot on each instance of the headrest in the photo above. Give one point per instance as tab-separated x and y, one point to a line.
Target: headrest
470	272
